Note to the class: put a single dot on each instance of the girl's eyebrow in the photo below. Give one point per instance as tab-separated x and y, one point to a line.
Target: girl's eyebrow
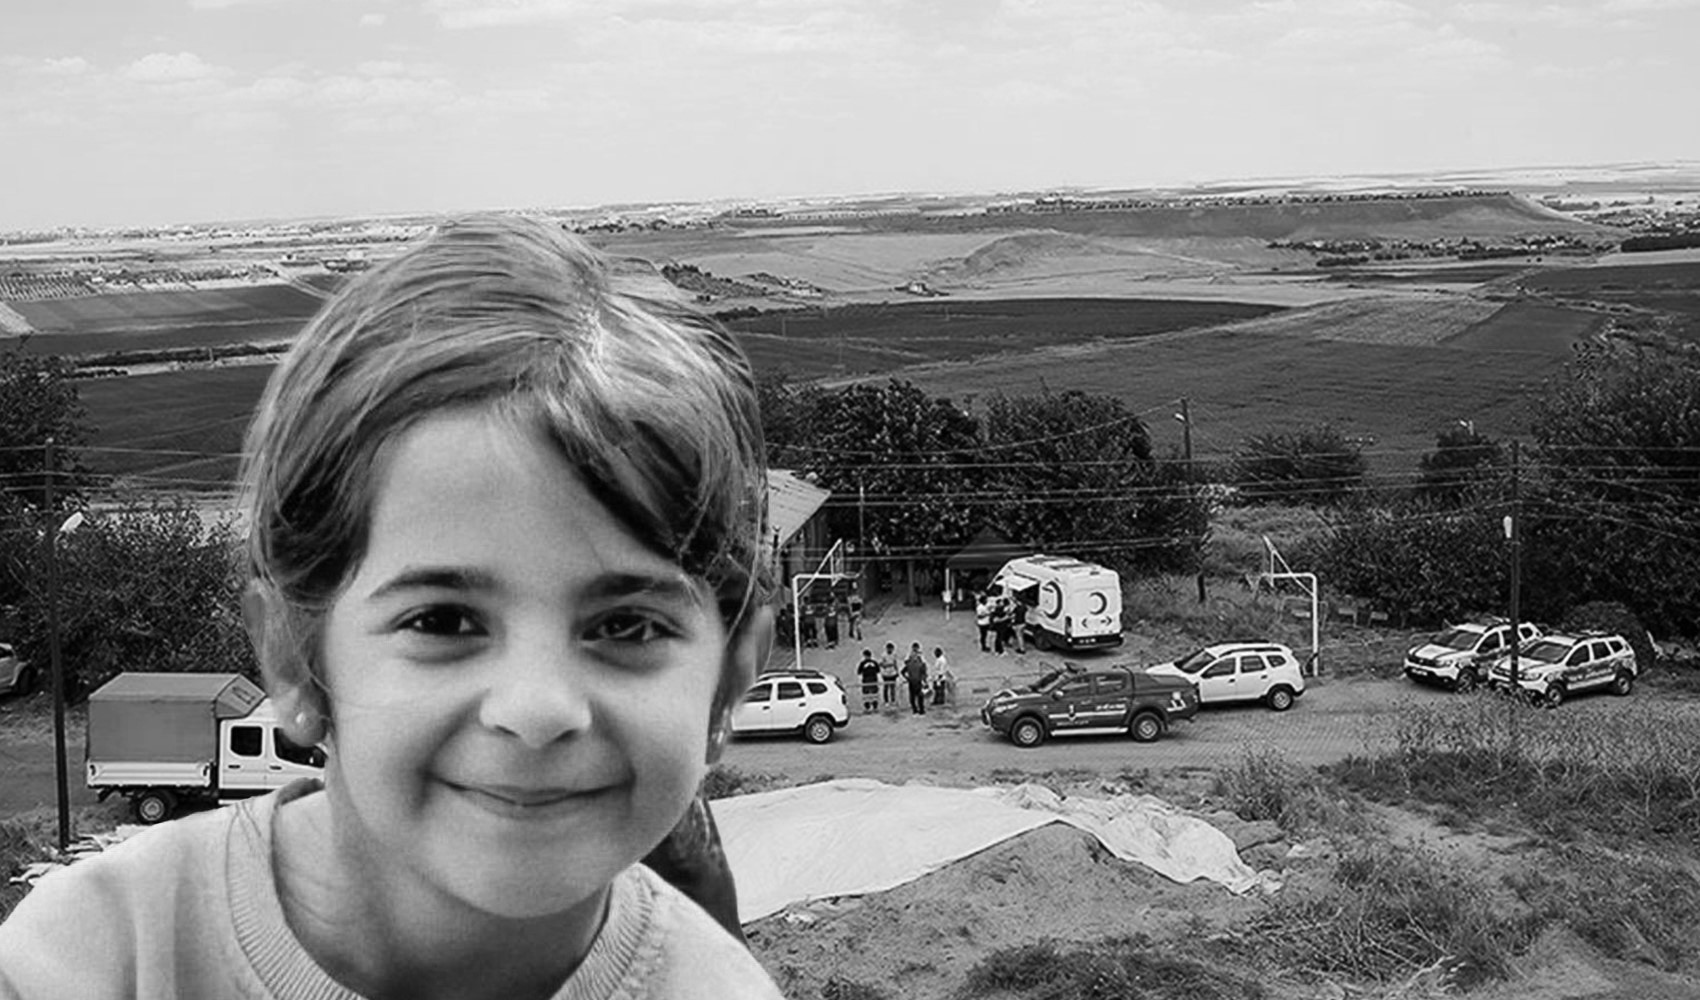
665	586
434	578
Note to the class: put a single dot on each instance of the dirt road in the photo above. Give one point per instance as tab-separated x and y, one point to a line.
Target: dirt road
1335	718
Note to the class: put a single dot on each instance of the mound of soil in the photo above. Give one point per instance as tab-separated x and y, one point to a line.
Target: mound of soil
919	940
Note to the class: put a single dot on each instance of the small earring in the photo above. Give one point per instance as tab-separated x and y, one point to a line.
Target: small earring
301	719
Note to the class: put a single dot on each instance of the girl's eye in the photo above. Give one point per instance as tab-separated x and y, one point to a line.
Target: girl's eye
630	627
445	621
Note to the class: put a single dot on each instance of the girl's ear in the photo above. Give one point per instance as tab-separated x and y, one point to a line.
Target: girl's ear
746	653
283	664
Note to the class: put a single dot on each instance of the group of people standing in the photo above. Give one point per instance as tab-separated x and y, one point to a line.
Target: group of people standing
879	678
1004	618
820	623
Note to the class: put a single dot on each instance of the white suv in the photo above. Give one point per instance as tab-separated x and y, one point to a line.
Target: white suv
1460	656
793	701
1240	671
1558	666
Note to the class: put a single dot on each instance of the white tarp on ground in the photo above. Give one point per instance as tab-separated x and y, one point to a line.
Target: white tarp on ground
855	836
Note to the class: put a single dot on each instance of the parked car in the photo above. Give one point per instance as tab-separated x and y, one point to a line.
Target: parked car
1073	702
1558	666
17	676
1240	671
1459	656
793	701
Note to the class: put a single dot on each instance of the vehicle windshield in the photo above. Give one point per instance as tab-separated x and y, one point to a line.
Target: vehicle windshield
1457	638
1547	651
1192	663
1046	680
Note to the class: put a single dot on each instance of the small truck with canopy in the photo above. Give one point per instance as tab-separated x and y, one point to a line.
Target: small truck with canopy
164	739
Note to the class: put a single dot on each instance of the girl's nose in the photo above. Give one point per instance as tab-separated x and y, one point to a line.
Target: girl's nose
538	692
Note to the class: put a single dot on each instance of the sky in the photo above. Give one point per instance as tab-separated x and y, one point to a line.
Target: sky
148	112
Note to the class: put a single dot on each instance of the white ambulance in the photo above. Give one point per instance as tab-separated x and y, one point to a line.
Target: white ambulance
1070	604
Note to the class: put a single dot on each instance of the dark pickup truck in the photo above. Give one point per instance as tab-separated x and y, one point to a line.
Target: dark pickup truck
1074	702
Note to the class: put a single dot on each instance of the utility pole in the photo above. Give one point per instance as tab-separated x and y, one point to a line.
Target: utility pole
1185	417
55	660
1513	533
1186	434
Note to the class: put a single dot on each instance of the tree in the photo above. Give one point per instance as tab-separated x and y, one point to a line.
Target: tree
900	463
150	588
1073	472
38	400
1314	465
1463	460
1614	504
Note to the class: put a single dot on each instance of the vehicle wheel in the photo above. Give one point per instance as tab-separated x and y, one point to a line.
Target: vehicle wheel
1623	683
1040	640
1280	699
1146	728
1554	696
818	729
25	684
1467	680
154	807
1027	733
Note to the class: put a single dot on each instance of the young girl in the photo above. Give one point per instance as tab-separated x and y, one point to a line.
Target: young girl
506	546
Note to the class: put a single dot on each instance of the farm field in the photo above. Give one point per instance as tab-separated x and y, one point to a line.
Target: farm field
1269	373
143	321
1527	326
1670	286
204	411
1242	383
176	430
122	311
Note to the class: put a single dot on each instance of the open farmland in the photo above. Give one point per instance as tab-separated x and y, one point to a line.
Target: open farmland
122	321
1527	326
148	310
178	429
1242	383
1241	380
880	338
1668	286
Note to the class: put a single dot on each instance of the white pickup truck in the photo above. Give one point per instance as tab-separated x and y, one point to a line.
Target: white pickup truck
163	740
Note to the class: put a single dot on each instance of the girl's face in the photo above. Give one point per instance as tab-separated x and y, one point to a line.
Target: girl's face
520	691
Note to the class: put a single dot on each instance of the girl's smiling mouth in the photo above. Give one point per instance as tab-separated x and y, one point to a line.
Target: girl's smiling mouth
526	801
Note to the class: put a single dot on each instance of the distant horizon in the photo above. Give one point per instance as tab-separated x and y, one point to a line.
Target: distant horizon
1297	183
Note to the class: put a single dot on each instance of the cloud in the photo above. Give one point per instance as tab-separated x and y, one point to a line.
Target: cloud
372	20
68	66
170	67
223	4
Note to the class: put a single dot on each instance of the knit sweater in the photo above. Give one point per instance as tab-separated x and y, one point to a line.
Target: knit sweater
189	909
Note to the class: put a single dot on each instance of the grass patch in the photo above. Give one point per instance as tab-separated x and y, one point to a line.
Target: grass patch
1111	969
1631	907
1386	913
1622	774
838	988
724	781
23	841
1264	785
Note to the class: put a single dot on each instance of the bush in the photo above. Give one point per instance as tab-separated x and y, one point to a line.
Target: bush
1111	969
1315	465
151	588
1264	785
1387	913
